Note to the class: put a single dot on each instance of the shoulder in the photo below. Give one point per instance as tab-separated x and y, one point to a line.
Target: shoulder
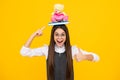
45	48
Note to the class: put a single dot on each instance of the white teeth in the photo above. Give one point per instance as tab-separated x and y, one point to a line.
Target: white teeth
59	41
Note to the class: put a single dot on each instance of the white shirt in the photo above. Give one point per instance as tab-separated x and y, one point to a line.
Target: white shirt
43	51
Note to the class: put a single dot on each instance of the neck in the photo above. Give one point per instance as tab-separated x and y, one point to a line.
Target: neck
60	49
59	46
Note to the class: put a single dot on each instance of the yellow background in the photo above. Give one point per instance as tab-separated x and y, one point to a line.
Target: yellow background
94	26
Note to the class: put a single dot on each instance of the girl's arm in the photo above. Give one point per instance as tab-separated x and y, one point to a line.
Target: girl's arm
37	33
27	51
81	55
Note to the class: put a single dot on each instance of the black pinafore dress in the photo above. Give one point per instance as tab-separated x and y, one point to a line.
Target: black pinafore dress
60	66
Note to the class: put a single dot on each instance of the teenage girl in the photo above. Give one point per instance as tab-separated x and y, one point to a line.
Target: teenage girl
59	53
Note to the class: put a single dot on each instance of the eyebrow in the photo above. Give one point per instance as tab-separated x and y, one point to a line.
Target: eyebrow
61	33
57	32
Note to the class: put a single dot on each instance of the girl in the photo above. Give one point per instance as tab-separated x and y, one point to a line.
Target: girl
59	54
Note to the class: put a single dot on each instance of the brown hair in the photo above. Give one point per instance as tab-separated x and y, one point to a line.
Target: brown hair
69	67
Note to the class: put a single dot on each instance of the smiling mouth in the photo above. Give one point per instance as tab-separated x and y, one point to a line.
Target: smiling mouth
59	41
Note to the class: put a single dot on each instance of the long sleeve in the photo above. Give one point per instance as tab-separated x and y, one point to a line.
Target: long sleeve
75	50
41	51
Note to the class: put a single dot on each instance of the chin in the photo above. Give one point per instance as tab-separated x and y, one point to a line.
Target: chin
59	45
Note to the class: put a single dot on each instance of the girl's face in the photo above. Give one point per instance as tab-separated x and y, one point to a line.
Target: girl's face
59	37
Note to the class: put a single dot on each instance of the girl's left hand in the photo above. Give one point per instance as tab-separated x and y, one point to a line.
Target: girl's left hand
80	57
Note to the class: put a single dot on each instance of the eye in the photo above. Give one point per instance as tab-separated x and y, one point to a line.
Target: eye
63	35
56	34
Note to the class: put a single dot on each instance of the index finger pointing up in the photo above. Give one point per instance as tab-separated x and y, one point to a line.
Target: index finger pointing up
43	28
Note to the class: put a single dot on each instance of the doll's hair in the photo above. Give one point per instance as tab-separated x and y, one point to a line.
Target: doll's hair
59	7
51	50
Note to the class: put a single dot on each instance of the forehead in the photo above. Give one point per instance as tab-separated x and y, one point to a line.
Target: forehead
59	30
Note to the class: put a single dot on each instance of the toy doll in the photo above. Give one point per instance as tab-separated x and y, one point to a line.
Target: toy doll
58	15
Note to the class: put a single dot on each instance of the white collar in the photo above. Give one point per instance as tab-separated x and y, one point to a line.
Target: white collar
60	49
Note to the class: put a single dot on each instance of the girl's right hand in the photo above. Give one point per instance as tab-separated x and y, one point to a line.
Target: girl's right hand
39	32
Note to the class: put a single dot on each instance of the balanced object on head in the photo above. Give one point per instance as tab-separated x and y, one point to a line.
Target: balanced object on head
57	23
58	16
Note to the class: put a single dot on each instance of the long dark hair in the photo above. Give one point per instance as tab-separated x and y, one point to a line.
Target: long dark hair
69	67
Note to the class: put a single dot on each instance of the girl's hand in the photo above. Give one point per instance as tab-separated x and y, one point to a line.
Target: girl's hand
80	57
39	32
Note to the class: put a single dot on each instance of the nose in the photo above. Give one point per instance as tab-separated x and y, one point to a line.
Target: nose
59	36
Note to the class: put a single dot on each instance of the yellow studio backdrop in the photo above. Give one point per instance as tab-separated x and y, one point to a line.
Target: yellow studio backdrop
94	26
